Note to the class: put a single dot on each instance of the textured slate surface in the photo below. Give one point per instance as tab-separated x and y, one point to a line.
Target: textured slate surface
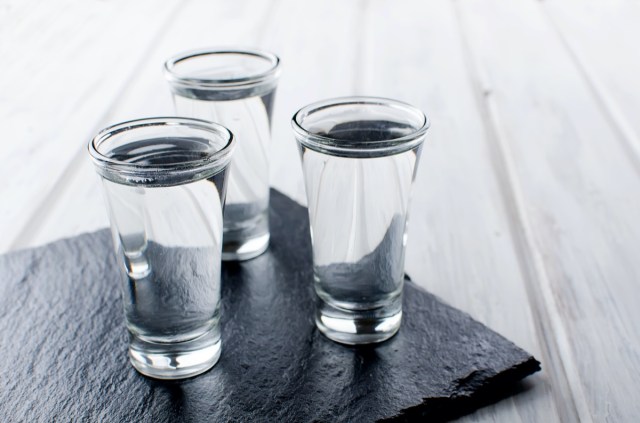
63	346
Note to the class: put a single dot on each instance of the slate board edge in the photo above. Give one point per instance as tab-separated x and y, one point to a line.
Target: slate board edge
498	387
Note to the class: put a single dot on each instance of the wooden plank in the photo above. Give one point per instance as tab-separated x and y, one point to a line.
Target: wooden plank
601	38
306	35
460	244
300	34
63	62
78	206
317	42
571	184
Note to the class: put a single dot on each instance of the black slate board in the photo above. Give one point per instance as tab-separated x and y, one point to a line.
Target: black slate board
63	346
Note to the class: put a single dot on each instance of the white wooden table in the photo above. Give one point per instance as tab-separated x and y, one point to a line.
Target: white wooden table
526	209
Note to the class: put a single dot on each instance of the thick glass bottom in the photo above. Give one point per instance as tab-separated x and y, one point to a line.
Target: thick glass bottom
178	360
244	249
246	230
356	327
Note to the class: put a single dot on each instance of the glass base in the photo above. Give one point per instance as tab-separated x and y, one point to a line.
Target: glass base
357	327
175	360
239	250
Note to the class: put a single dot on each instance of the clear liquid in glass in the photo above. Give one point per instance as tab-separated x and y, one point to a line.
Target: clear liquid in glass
247	113
168	240
358	213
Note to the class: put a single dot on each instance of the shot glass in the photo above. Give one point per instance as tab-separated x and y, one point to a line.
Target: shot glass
235	88
164	183
359	158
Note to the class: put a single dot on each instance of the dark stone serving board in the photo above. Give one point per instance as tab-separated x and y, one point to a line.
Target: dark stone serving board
64	345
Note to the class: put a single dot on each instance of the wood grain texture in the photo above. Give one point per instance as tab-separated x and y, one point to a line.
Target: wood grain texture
601	38
317	42
78	206
571	183
62	63
460	245
524	211
296	32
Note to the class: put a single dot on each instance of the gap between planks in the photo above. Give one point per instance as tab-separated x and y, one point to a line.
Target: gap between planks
548	322
629	140
38	218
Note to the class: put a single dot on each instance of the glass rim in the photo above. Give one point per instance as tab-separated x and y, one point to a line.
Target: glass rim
214	162
269	74
352	148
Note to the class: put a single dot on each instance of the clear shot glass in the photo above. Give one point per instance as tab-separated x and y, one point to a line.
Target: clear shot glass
164	183
235	88
359	158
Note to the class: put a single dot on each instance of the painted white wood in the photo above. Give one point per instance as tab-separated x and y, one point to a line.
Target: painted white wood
62	63
78	206
278	27
459	245
523	211
572	185
317	44
602	39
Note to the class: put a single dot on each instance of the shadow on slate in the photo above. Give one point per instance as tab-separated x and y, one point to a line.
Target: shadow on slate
64	345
